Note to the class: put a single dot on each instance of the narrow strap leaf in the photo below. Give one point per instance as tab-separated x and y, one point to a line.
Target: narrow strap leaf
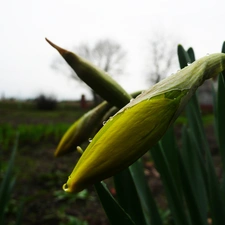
114	212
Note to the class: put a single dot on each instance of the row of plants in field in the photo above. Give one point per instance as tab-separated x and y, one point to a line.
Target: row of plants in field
194	192
35	133
31	134
42	102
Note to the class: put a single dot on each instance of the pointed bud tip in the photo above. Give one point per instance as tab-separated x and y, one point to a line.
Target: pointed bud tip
59	49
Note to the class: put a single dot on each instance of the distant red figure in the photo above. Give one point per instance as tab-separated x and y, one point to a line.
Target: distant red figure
83	102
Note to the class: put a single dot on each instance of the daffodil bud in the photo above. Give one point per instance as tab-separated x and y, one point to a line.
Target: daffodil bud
140	124
81	130
96	78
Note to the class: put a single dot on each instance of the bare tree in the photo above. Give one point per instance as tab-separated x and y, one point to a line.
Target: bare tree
106	54
162	57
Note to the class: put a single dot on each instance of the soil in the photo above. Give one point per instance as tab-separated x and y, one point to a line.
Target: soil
40	177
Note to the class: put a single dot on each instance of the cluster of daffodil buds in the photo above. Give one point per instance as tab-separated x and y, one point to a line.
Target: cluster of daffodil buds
85	127
140	124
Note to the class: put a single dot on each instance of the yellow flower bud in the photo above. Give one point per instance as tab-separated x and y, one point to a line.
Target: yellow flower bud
81	130
140	124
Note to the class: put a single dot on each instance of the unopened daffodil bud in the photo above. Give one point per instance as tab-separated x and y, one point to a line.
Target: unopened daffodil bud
140	124
81	130
97	79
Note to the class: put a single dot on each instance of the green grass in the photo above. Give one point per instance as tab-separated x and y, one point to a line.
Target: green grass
31	134
35	126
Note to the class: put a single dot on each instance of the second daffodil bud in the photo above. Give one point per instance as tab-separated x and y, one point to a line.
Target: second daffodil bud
140	124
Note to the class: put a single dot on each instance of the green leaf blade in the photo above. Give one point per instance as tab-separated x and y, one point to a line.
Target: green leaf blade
114	212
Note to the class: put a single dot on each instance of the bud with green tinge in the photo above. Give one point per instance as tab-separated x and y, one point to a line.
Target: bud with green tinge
95	78
140	124
82	129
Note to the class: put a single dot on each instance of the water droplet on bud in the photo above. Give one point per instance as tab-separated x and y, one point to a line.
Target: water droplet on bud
65	187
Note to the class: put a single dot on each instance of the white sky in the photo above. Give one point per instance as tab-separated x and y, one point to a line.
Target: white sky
25	56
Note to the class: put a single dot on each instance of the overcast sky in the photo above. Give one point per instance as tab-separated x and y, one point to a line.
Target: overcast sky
25	56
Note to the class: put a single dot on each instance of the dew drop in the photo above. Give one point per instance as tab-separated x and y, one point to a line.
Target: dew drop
90	140
80	150
132	100
110	118
104	122
188	64
69	177
65	187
